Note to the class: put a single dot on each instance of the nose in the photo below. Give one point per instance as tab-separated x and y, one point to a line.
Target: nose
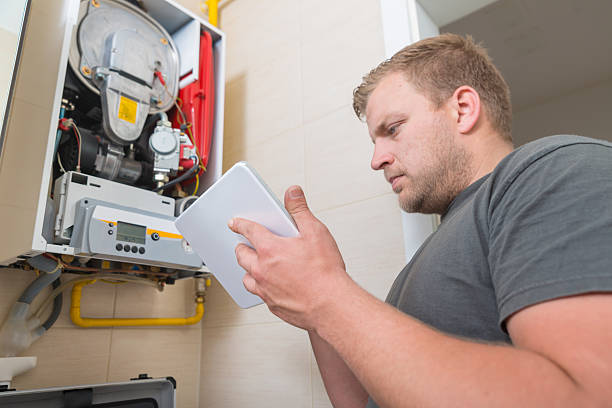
381	157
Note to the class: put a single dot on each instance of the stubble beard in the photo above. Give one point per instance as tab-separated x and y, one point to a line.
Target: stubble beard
437	185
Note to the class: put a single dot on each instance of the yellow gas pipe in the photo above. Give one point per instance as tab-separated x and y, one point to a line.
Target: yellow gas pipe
213	12
75	314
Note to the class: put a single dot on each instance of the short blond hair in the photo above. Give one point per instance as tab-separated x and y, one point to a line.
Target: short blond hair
439	65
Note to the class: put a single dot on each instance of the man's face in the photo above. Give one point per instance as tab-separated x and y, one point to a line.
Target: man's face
415	145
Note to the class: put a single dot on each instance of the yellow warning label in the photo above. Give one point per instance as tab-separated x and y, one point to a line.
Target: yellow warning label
127	109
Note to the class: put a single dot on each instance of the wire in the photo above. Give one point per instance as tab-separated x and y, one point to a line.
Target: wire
79	142
77	134
98	270
86	269
59	161
195	190
182	119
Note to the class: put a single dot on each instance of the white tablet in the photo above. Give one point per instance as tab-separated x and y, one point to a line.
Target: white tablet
240	192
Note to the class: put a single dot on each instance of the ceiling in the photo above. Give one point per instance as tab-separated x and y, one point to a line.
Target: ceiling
544	48
443	12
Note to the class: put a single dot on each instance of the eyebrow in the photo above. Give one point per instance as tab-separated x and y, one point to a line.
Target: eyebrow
390	118
380	129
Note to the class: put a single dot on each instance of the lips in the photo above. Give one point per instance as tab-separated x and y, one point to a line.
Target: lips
394	182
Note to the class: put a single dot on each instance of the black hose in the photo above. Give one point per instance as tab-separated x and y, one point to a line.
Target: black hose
188	174
57	307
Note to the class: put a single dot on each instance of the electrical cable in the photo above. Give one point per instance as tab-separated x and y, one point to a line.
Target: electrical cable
70	123
97	270
79	142
59	161
197	184
182	119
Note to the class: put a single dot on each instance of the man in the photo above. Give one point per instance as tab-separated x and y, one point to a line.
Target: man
506	304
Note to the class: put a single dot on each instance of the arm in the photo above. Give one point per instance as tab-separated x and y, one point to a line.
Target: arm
343	389
561	355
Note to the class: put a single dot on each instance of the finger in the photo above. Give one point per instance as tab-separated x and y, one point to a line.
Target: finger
254	232
245	256
250	284
295	203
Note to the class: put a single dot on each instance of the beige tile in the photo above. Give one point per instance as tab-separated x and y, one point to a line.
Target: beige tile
319	395
159	352
39	65
27	128
265	102
279	161
20	221
337	162
136	300
14	282
67	357
273	29
342	41
97	300
194	7
222	311
255	366
234	119
369	235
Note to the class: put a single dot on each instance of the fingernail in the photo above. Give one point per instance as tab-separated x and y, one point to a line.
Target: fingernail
295	192
230	223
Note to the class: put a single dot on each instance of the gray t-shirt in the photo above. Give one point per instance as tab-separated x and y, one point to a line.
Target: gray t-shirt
538	227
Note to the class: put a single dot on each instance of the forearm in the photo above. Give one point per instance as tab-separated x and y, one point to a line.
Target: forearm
343	388
402	362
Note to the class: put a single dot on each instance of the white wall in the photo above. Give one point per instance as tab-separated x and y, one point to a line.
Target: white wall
585	112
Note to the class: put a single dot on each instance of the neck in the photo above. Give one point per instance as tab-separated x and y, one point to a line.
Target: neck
488	154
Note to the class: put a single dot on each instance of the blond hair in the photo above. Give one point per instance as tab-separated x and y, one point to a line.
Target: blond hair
437	67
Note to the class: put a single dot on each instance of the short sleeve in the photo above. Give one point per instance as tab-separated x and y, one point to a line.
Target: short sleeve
550	229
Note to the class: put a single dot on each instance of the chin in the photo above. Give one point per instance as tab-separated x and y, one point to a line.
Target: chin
417	205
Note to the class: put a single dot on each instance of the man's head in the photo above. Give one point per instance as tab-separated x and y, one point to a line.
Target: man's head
421	105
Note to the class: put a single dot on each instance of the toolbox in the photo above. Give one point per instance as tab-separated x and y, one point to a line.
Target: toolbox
141	392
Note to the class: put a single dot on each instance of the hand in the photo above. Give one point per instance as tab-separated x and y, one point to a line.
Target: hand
296	277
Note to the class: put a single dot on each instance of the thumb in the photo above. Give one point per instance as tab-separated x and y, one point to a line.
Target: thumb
295	203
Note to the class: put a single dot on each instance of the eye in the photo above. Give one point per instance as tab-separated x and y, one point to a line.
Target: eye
393	129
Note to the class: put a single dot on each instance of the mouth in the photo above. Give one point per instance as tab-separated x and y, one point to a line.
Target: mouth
394	181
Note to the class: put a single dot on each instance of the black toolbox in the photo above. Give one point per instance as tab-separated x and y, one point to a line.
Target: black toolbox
143	392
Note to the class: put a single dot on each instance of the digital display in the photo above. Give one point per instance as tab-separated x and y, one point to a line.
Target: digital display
131	233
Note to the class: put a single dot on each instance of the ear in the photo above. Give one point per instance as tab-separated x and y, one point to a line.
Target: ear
466	103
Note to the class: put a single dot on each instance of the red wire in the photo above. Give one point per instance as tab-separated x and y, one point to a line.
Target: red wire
160	77
78	146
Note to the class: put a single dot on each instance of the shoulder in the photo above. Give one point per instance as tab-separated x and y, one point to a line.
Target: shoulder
550	157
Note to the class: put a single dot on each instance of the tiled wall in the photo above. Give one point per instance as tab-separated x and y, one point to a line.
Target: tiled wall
291	69
69	355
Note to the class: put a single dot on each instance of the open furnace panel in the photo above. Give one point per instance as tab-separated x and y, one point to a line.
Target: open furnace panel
137	134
